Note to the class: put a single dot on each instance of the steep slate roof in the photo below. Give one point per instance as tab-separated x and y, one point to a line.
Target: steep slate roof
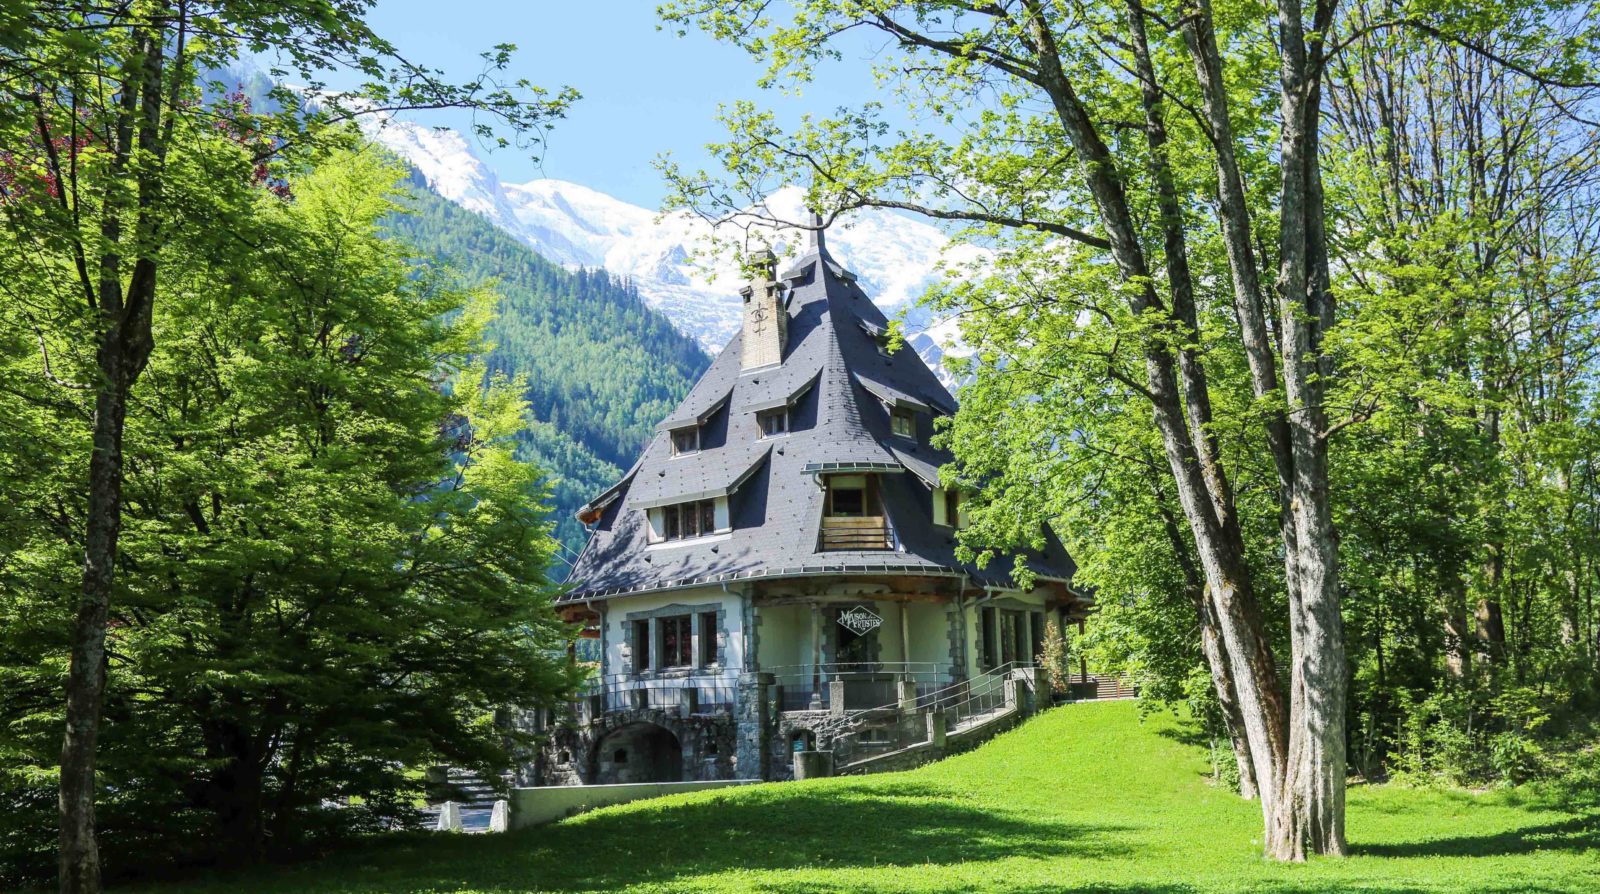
836	382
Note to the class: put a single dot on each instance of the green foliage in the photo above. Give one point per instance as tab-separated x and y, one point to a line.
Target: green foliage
1087	797
1463	400
332	565
1055	659
1467	737
600	368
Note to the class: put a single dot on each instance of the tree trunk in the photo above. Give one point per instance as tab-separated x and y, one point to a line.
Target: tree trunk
1310	804
1227	698
124	342
236	796
1491	622
1211	647
86	675
1218	540
1457	633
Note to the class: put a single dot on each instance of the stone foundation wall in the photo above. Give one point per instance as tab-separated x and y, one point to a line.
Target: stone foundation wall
577	753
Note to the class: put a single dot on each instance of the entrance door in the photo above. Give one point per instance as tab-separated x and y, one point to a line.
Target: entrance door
853	651
1010	635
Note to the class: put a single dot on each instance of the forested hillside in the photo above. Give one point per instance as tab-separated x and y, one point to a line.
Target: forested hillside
602	368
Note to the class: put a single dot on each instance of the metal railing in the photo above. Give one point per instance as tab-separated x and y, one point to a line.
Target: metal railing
620	692
965	699
866	685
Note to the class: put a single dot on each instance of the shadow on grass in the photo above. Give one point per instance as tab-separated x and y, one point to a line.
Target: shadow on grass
1577	834
790	827
831	826
1185	731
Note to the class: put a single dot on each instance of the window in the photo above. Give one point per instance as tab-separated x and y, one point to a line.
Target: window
1036	631
1010	636
847	496
952	508
684	520
677	641
986	638
620	756
708	639
641	646
773	423
685	440
903	423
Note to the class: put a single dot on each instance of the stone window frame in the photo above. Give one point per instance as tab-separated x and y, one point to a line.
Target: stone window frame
1005	603
679	609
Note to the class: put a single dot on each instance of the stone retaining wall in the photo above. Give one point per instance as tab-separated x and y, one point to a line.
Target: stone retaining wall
547	804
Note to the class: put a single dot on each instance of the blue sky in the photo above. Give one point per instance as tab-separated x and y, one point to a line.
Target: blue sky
645	91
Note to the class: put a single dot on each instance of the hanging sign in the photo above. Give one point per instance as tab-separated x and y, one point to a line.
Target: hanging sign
860	620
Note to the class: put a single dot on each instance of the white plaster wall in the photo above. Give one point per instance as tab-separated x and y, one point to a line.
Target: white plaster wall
784	636
930	633
618	652
888	632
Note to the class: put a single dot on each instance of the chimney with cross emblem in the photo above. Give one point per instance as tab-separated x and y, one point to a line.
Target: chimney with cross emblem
766	321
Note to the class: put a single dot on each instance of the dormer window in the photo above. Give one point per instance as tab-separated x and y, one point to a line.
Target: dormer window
685	520
903	423
773	422
852	516
847	499
686	441
947	508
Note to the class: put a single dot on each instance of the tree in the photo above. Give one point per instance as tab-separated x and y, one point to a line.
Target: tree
1142	171
97	101
333	564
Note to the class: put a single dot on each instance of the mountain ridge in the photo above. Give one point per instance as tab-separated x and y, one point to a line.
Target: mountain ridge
671	257
601	367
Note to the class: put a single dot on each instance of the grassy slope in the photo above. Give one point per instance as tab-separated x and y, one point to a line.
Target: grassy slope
1084	798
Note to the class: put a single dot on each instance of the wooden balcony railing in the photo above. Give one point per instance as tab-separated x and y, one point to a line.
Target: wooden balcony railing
870	532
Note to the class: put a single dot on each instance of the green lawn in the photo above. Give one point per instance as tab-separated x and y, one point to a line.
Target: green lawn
1083	798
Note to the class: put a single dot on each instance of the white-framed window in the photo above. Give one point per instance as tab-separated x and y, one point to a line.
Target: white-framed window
685	441
773	422
947	508
903	423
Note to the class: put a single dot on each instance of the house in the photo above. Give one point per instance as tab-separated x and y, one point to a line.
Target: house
777	572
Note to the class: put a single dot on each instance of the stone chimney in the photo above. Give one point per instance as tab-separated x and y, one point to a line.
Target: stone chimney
766	321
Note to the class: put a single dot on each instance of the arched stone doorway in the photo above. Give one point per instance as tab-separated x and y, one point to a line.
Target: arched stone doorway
639	752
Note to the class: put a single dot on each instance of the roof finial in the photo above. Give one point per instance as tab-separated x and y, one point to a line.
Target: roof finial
814	241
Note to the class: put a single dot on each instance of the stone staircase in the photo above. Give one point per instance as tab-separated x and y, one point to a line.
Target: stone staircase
474	793
466	788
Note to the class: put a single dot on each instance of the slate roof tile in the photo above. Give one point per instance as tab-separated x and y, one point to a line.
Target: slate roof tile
835	381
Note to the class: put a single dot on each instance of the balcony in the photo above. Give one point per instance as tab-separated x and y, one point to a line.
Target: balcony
688	694
858	533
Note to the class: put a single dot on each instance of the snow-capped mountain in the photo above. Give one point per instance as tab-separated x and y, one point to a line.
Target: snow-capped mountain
674	259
